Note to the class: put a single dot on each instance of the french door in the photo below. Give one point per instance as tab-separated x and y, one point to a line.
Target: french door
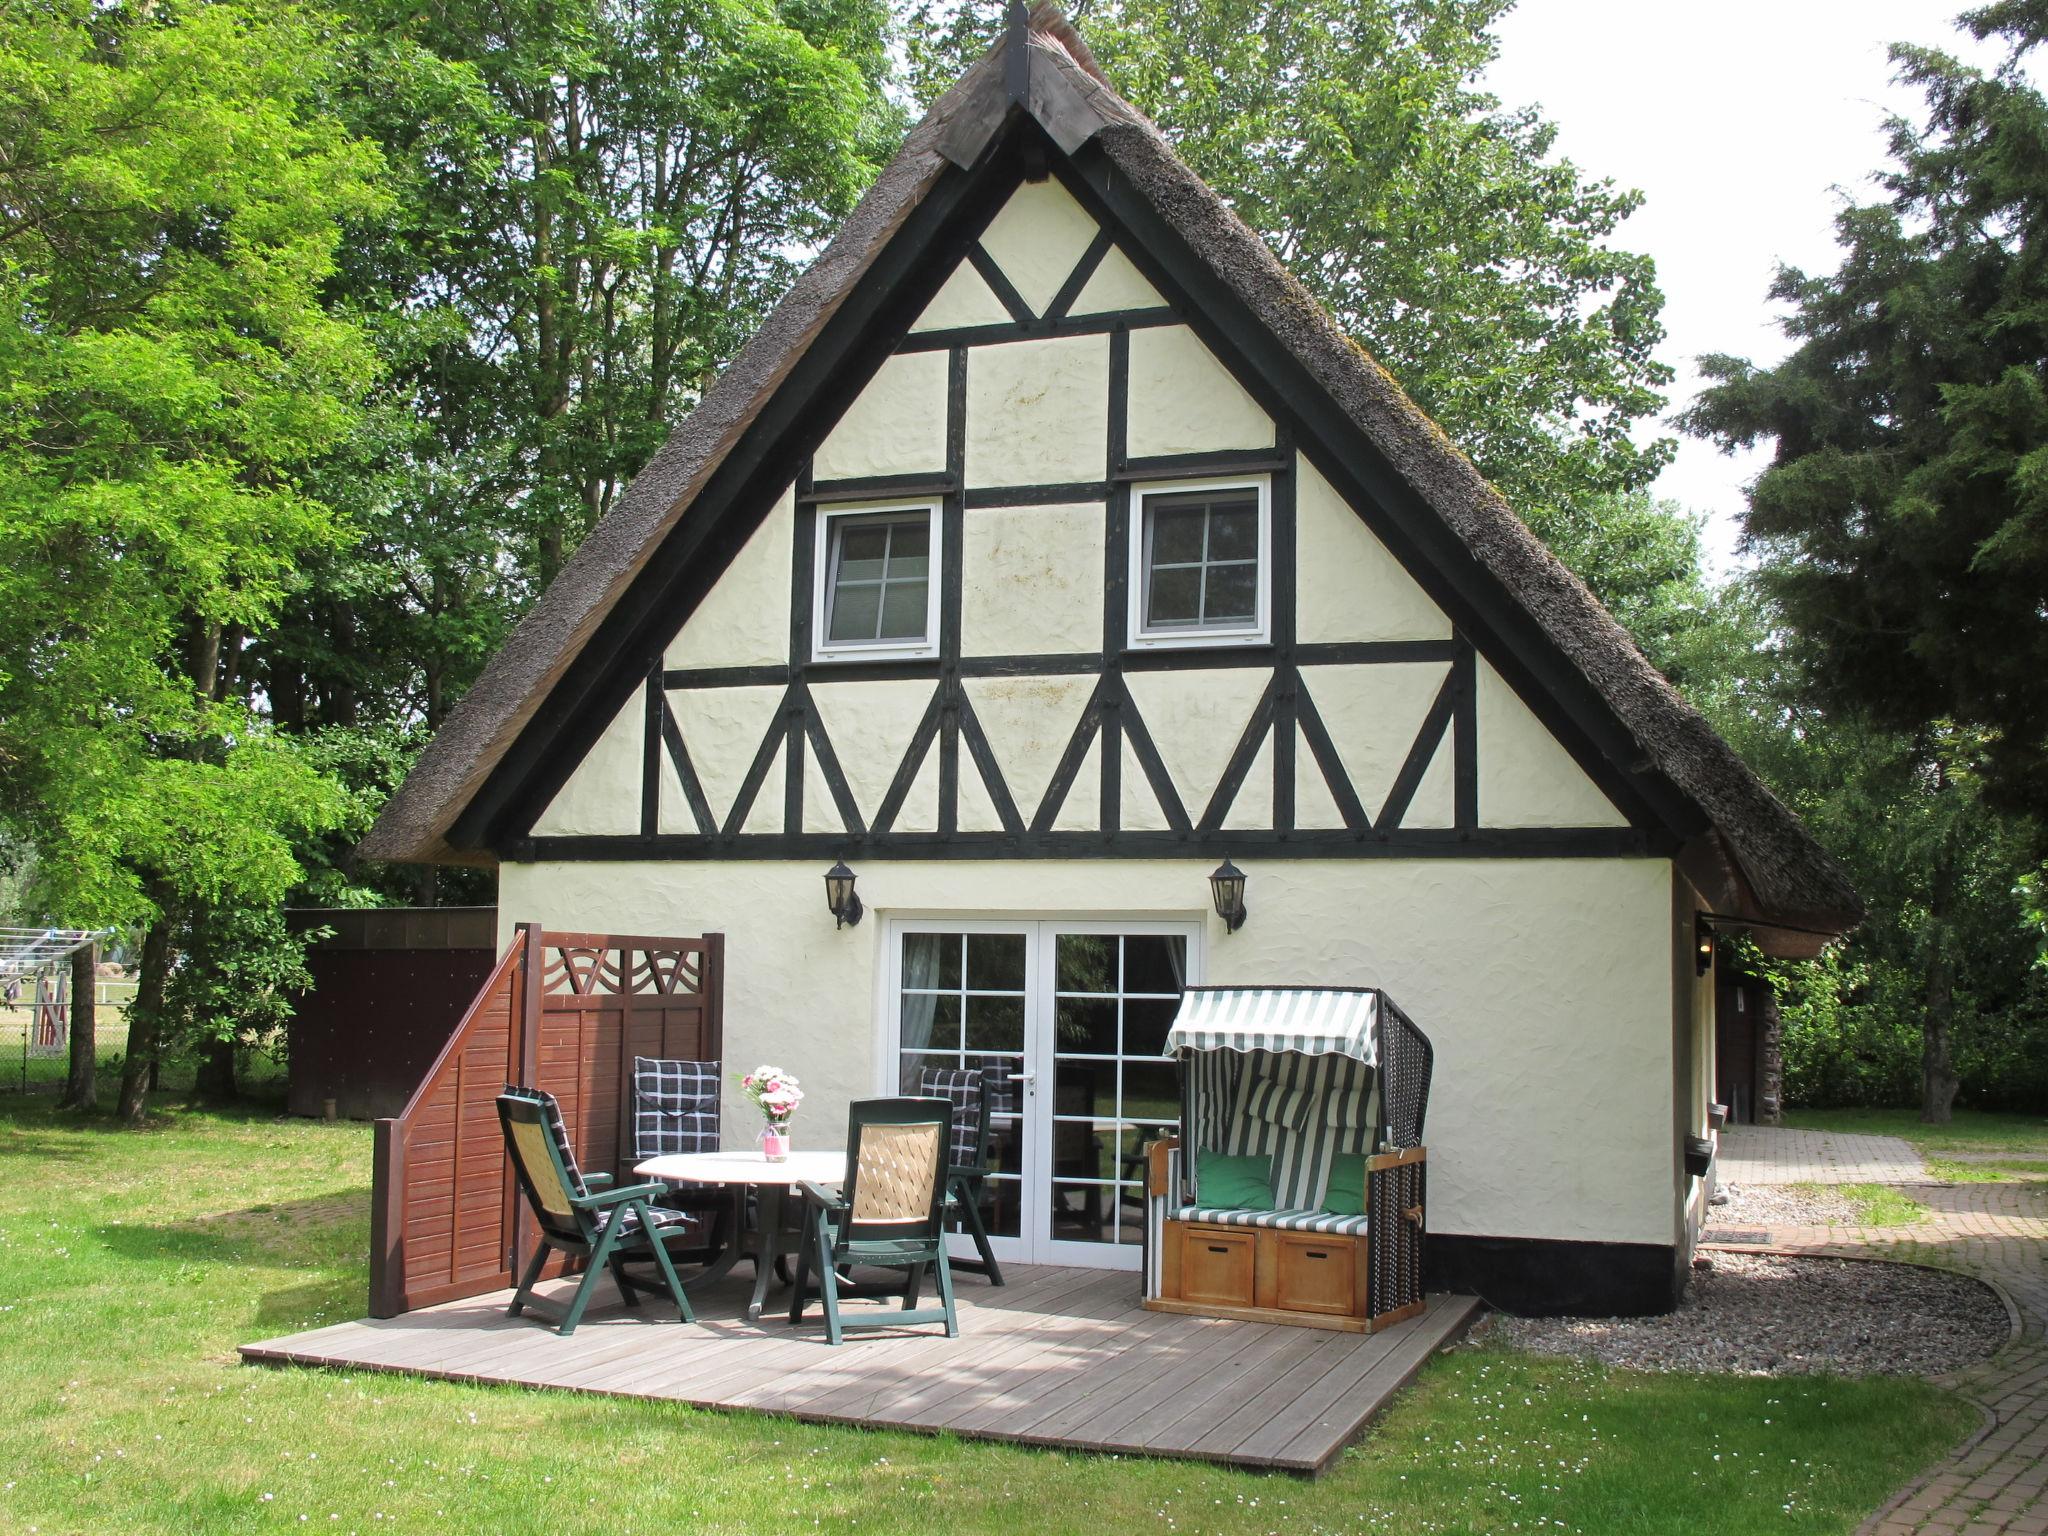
1066	1019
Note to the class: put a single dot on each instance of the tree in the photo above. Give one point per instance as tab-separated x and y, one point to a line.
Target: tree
1903	521
596	201
171	202
1435	225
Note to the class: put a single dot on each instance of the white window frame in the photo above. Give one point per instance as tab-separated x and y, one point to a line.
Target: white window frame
1259	631
824	649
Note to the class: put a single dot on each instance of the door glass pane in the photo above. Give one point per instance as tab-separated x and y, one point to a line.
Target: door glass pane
1151	1092
1086	962
1146	1021
1085	1026
995	1023
1084	1089
1084	1213
995	962
1156	963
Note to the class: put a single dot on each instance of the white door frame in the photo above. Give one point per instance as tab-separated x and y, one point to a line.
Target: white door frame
1035	1244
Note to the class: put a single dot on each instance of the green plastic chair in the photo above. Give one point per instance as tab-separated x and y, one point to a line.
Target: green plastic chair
583	1216
889	1215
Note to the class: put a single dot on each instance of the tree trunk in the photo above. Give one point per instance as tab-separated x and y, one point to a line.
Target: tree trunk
1938	1081
216	1080
145	1020
1770	1058
81	1085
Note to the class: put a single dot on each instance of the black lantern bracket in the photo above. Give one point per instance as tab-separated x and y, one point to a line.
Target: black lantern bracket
1226	888
841	900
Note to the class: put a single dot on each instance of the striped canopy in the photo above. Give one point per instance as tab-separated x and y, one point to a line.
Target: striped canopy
1312	1021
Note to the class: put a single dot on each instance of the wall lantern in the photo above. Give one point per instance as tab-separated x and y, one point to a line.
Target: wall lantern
840	899
1702	946
1226	885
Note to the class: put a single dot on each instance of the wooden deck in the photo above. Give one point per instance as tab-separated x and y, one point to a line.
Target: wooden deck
1059	1357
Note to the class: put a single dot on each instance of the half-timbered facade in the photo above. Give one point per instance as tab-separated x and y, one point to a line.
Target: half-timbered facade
1046	548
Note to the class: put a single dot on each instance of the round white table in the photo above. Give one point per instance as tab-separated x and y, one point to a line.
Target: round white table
739	1171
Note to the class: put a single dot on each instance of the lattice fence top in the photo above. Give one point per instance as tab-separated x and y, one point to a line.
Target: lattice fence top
27	951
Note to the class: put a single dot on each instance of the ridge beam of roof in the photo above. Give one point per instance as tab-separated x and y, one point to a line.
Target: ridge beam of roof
1042	89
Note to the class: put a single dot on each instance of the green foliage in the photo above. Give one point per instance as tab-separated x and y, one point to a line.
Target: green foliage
1903	522
169	211
238	967
1437	226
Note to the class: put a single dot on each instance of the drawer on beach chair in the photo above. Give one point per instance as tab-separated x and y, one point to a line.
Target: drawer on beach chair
1217	1266
1317	1272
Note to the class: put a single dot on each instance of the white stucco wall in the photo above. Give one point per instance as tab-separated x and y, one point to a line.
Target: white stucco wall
1546	986
1348	585
1116	284
1526	779
1038	411
897	426
963	299
1182	400
743	620
1032	580
602	797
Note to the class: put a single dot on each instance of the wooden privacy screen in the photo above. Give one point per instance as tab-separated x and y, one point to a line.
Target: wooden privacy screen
567	1012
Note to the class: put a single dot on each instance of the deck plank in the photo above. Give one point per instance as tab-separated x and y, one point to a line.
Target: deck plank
1060	1357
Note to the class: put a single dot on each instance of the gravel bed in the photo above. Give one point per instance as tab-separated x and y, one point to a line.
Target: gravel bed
1763	1315
1782	1205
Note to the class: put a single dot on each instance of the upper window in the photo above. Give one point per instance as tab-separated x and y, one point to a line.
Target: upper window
1200	563
876	596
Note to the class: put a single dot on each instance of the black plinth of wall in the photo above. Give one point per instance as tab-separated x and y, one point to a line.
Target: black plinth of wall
1537	1277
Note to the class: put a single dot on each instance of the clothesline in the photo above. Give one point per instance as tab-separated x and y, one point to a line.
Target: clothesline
27	951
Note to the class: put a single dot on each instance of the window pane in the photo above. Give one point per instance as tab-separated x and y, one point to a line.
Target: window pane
1000	1206
999	1077
995	1023
1234	531
861	548
1233	593
1151	1091
950	945
1175	597
1078	1149
910	547
1176	532
1085	1089
1087	962
995	962
923	957
1083	1213
904	607
855	612
1146	1021
1085	1027
1155	962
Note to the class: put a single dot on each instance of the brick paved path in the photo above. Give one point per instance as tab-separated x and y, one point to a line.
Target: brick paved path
1997	1483
1755	1154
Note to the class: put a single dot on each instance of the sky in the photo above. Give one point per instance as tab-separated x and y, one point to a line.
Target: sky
1744	124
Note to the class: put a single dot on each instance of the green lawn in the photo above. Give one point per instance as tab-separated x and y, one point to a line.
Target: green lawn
1877	1205
1970	1131
132	1264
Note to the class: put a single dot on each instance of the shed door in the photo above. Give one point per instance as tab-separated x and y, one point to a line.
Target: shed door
1067	1019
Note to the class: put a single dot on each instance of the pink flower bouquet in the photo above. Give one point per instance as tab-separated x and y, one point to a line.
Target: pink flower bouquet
774	1092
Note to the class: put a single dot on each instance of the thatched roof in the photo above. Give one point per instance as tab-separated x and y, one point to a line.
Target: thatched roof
1756	860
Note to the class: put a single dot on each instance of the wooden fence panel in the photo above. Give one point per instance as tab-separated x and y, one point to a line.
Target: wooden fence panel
561	1011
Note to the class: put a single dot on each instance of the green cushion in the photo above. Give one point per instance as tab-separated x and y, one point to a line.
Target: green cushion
1345	1195
1228	1183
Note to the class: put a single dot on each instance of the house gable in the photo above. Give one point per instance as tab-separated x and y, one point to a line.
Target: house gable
1047	381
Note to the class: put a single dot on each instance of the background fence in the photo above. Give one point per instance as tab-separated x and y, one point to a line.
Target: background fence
30	1064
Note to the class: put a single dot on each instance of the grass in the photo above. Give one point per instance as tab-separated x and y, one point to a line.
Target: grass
1988	1170
1882	1205
1971	1131
131	1264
